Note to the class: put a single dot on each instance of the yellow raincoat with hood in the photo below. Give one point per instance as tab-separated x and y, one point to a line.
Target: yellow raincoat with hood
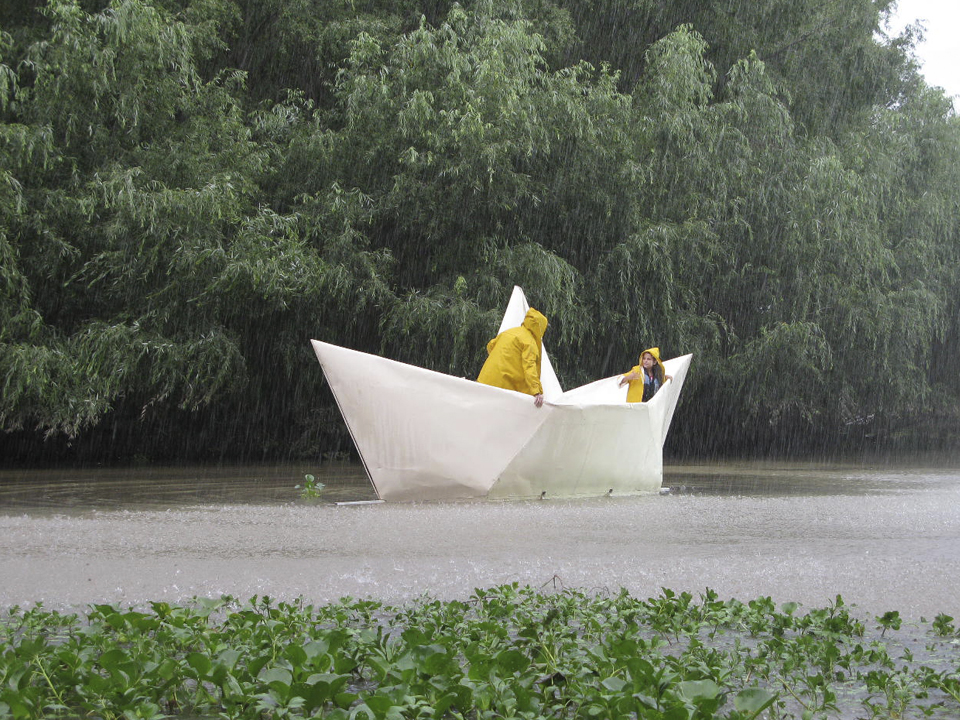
513	360
635	391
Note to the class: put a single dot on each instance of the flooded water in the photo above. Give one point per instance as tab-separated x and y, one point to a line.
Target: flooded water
882	537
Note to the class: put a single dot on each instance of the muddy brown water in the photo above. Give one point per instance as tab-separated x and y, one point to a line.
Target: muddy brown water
883	537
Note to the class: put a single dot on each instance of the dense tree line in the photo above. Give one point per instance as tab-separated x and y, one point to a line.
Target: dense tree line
191	189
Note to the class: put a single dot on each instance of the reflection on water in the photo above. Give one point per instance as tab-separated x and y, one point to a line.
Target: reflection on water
65	491
151	488
776	479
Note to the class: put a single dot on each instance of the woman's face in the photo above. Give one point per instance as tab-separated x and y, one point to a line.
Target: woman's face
647	360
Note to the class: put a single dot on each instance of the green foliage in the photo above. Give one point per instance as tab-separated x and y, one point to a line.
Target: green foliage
506	651
190	189
311	488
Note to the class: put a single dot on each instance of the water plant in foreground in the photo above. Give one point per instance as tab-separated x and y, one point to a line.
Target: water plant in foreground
508	651
311	487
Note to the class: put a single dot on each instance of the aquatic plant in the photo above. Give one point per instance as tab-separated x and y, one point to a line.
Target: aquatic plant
508	651
311	488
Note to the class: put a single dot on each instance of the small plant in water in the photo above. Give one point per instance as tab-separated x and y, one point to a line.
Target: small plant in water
310	488
943	625
889	621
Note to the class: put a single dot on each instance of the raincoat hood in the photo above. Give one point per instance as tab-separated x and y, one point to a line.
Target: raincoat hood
513	360
655	351
536	323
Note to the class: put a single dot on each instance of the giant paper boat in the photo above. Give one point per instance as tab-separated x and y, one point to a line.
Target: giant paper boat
425	435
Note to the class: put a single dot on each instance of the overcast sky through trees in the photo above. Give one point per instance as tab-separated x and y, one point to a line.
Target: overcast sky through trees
939	53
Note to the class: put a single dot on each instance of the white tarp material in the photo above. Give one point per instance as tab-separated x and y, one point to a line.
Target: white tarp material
424	435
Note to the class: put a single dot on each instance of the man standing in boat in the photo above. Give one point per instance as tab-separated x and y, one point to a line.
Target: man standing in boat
513	358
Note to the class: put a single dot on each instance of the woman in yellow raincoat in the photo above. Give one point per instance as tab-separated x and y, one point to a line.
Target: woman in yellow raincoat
646	378
513	359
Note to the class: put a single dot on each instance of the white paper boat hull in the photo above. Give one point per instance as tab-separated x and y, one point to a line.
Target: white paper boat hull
424	435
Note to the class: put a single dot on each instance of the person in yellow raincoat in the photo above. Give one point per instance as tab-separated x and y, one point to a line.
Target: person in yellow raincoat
513	358
646	378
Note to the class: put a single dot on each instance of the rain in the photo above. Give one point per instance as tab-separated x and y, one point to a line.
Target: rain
191	192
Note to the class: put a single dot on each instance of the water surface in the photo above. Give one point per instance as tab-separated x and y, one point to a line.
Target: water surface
882	537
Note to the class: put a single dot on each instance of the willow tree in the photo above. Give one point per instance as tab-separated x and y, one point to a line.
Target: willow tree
464	140
144	277
189	190
762	247
108	208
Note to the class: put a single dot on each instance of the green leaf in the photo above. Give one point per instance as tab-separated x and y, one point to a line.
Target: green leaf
201	663
512	661
614	684
699	690
753	701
